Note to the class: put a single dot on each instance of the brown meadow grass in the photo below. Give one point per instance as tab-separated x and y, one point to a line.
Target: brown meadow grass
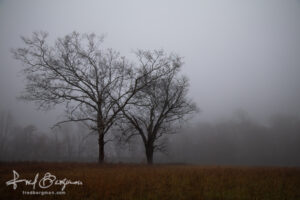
157	182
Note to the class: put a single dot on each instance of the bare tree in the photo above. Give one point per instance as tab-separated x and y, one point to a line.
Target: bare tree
93	84
156	109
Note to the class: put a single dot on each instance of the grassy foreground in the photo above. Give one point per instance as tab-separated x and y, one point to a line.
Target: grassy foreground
157	182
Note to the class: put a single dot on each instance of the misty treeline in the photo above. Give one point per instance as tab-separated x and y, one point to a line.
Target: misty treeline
69	142
242	141
145	97
235	141
27	143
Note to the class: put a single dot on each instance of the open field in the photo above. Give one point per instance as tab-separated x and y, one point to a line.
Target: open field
141	182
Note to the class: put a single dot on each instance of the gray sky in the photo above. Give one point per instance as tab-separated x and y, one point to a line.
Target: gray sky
238	54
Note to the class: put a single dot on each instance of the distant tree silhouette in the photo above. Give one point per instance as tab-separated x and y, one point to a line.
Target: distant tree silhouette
156	109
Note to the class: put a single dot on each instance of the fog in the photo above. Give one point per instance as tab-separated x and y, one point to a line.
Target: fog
240	57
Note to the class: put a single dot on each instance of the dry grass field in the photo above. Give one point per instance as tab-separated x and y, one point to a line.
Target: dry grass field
157	182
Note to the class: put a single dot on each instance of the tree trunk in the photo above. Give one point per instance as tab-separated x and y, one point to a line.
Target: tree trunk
149	154
101	147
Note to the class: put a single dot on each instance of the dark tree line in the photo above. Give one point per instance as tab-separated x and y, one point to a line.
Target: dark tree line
27	143
101	89
240	141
